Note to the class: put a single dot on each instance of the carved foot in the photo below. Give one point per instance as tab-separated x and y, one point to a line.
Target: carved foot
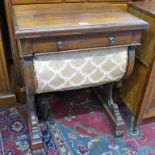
34	126
36	138
105	95
119	124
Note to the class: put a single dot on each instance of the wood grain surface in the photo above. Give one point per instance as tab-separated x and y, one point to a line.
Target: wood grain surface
59	1
36	19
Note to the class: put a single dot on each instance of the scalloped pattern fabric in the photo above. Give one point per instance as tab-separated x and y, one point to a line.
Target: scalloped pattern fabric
73	70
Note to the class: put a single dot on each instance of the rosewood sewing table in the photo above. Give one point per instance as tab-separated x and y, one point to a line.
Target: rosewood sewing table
74	45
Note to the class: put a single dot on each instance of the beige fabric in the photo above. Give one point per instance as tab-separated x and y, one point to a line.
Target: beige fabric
64	71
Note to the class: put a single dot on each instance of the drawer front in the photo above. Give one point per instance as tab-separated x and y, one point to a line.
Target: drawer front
41	45
55	1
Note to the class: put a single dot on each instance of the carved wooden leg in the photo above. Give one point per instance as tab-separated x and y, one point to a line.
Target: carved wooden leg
106	97
36	139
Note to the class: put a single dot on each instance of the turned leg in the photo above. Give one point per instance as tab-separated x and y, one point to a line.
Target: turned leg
36	139
106	96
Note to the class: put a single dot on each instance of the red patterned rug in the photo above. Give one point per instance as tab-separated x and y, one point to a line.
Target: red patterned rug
77	126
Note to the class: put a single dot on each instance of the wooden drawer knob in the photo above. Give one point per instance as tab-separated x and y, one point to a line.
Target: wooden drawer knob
60	44
111	40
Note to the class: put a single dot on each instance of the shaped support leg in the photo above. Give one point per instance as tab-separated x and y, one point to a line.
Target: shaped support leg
36	139
106	97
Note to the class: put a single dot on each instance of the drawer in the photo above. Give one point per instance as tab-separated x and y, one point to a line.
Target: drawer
41	45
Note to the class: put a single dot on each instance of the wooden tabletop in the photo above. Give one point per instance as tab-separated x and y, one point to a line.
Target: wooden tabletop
147	7
38	19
